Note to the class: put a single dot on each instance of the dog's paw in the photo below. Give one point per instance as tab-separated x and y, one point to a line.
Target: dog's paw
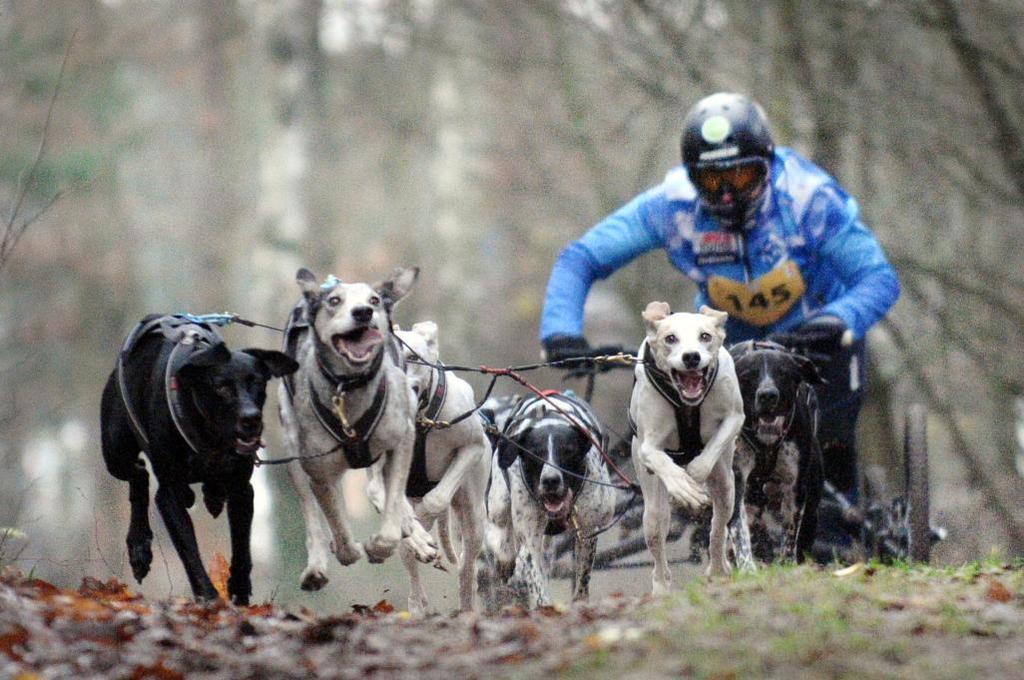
239	590
213	498
379	548
313	579
422	543
350	554
684	490
140	556
660	587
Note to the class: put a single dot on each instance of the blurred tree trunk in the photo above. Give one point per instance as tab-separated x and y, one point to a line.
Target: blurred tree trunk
270	244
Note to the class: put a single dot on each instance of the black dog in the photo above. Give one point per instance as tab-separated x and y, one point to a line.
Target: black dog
194	407
778	463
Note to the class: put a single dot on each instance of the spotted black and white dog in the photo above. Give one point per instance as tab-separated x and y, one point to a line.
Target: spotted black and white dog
778	463
543	458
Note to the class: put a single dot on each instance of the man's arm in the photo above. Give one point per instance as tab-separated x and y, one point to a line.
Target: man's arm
612	243
850	252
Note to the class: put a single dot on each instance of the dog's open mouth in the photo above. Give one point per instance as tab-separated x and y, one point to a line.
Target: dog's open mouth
357	345
691	384
557	508
247	445
770	428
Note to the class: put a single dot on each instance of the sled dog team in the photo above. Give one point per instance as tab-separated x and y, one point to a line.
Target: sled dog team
733	428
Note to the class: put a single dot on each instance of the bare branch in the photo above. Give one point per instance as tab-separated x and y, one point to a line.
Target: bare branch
941	314
950	280
12	230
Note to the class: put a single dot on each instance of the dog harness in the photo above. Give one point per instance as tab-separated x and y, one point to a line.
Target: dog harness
431	402
189	334
353	438
687	415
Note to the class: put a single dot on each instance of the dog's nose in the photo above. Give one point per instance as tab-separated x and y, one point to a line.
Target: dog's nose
362	314
249	420
691	360
766	398
550	481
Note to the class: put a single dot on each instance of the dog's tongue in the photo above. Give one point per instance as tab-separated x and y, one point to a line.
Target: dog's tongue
770	425
556	507
360	344
691	383
248	445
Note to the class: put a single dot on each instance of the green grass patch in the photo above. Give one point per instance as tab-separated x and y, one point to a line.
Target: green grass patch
880	620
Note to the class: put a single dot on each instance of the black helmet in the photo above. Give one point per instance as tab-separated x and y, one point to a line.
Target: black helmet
727	149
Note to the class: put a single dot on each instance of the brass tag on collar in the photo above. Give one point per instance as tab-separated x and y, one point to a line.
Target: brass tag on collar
339	410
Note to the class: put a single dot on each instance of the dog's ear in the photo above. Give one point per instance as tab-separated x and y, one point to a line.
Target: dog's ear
655	313
395	287
507	452
808	370
740	349
278	364
428	329
307	282
719	317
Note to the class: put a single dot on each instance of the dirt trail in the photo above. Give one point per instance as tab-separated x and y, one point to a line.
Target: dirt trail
781	622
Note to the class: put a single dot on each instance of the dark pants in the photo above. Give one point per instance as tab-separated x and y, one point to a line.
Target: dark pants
839	402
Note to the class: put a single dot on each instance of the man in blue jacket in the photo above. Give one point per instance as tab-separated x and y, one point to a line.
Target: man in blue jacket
768	237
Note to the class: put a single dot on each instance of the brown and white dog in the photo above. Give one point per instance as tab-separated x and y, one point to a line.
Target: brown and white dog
350	405
686	411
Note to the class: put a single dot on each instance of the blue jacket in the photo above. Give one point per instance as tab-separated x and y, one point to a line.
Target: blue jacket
808	254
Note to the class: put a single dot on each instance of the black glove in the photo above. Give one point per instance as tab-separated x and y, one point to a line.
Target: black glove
561	347
821	335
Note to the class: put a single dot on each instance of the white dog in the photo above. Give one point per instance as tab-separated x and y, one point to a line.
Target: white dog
350	405
687	412
449	468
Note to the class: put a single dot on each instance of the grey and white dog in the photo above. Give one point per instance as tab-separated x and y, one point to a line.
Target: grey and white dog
545	459
686	411
448	478
350	405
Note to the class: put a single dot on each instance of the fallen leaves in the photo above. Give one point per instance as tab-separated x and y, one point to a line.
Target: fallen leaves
997	592
220	570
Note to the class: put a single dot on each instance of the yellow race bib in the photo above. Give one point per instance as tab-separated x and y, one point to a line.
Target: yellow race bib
764	300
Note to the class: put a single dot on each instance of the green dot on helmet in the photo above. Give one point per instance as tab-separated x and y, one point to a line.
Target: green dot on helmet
715	129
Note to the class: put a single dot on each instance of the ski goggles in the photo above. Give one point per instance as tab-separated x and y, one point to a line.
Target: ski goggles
741	176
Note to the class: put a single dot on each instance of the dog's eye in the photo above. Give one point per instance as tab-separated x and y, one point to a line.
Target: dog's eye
671	339
224	390
705	337
374	300
334	301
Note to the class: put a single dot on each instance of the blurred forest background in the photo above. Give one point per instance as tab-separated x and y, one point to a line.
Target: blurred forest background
199	152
